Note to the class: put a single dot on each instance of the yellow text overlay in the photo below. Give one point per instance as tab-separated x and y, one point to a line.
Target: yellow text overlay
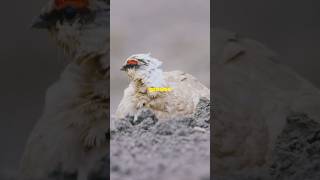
159	89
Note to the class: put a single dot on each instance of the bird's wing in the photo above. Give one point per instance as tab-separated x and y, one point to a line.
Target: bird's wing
65	131
185	88
127	106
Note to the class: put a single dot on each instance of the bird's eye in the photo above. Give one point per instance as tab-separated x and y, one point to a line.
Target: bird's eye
70	12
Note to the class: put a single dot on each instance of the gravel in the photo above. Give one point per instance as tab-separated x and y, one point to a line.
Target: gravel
297	151
145	148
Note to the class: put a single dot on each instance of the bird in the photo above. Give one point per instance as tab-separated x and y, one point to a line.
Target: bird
168	94
253	94
69	140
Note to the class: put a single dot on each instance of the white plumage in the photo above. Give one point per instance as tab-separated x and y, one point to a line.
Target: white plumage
70	138
253	96
146	73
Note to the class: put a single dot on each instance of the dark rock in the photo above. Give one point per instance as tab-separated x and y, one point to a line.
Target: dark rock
164	129
143	114
123	124
202	113
296	155
147	123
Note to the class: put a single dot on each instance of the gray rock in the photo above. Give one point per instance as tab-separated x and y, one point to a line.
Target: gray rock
144	148
123	124
297	152
202	113
143	114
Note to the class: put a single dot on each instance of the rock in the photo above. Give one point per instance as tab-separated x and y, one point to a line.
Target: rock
164	129
143	114
296	155
147	123
202	113
123	124
147	149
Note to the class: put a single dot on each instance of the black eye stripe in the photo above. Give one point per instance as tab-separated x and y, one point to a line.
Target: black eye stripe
141	60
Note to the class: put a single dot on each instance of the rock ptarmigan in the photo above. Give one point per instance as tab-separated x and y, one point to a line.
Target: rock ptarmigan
178	93
69	141
253	96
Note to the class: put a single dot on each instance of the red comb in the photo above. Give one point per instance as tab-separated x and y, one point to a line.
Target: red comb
132	62
60	4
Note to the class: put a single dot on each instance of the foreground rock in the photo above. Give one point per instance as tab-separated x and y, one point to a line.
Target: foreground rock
296	155
143	148
297	152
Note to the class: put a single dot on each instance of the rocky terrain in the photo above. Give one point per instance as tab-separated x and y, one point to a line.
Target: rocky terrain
296	155
297	152
144	148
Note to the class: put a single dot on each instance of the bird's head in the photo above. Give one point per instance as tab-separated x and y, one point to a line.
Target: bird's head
141	62
80	27
145	67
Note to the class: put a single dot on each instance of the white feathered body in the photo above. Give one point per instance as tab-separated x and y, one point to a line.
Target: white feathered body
70	138
71	134
180	101
253	96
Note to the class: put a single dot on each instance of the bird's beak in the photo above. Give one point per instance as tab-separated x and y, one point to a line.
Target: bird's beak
40	22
